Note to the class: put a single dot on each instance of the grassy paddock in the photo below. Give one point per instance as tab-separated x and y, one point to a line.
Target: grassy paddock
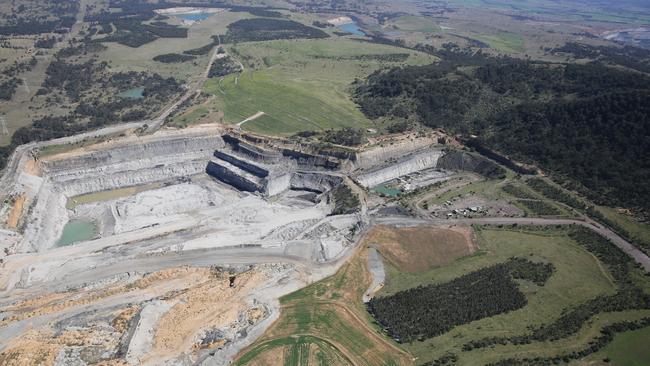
503	41
579	276
410	23
300	84
627	349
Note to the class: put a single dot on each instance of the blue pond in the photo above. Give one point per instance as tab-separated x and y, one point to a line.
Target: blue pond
135	93
193	16
352	28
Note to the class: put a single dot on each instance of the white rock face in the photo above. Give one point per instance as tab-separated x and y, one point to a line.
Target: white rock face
143	337
46	222
142	148
379	155
145	174
278	183
133	162
420	161
162	205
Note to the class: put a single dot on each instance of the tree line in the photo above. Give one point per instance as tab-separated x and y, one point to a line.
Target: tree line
586	123
268	29
628	296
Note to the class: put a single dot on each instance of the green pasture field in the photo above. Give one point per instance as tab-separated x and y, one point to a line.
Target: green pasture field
628	349
503	41
410	23
300	84
579	276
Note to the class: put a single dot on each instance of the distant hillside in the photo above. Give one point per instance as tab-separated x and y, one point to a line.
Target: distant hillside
585	122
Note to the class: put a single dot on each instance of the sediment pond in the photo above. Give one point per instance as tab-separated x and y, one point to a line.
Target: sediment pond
76	231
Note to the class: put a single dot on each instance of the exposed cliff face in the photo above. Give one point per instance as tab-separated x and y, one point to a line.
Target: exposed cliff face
140	149
250	167
461	160
45	224
254	152
379	155
418	161
315	182
235	176
278	183
127	178
135	162
311	161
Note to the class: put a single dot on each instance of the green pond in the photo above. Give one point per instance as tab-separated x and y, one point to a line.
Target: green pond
388	191
135	93
76	231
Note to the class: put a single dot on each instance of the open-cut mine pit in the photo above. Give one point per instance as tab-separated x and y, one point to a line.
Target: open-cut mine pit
197	233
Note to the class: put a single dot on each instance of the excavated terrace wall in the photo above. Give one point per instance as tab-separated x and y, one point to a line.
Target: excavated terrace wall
278	183
242	164
251	151
381	154
309	161
139	162
234	178
416	162
461	160
137	149
315	182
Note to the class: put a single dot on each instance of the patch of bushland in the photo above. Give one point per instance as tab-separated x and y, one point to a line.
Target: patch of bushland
427	311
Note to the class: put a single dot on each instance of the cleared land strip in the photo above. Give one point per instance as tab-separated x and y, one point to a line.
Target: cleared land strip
625	246
251	118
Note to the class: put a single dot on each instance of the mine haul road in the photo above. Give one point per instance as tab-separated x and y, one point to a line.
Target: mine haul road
625	246
145	263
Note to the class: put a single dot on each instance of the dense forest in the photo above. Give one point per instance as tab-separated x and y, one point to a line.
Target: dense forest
132	33
8	88
169	58
36	17
635	58
263	29
428	311
586	123
223	66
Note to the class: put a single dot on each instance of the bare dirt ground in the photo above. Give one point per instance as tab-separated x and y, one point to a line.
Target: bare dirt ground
197	310
421	248
16	212
201	299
